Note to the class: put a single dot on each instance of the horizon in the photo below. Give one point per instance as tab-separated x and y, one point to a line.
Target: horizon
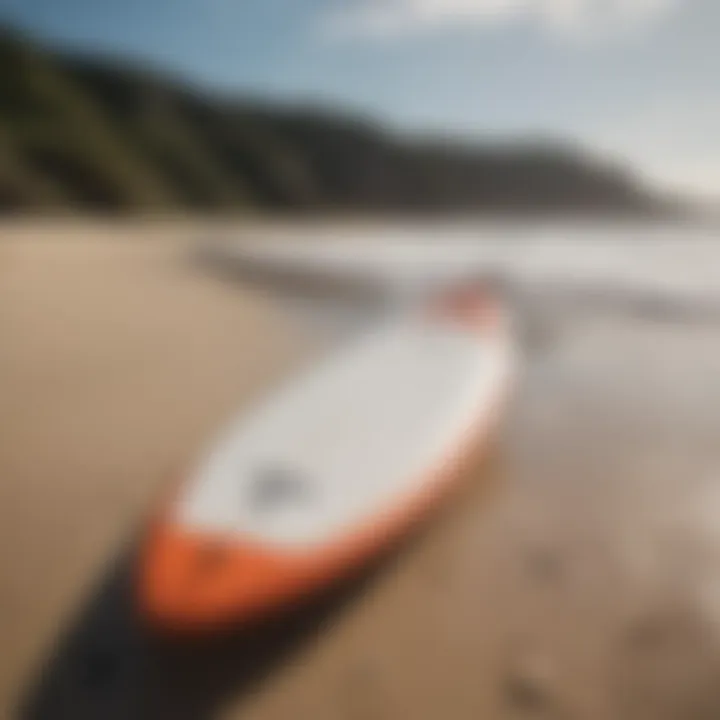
413	66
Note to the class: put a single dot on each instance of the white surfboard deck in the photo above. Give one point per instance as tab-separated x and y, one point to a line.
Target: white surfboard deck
351	438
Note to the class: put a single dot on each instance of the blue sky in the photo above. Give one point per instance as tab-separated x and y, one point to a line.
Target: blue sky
636	79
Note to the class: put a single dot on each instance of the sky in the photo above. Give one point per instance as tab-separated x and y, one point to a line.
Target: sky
635	80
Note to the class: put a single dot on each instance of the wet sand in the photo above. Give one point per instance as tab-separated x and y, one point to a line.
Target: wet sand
577	576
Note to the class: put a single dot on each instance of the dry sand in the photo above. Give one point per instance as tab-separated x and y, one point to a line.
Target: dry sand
577	577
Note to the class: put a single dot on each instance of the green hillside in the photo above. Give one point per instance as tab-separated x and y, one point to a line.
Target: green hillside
92	135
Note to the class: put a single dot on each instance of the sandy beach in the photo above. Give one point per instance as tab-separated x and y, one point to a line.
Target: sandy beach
577	577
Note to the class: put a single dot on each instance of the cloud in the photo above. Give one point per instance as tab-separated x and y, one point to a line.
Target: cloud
568	17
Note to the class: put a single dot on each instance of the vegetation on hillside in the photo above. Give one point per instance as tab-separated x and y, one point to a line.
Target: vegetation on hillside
92	135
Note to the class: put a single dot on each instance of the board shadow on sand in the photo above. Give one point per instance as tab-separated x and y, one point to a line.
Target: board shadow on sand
110	666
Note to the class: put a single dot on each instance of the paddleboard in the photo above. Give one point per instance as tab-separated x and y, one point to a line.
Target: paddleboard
331	470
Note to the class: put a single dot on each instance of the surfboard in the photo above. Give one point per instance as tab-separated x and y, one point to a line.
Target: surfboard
331	470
